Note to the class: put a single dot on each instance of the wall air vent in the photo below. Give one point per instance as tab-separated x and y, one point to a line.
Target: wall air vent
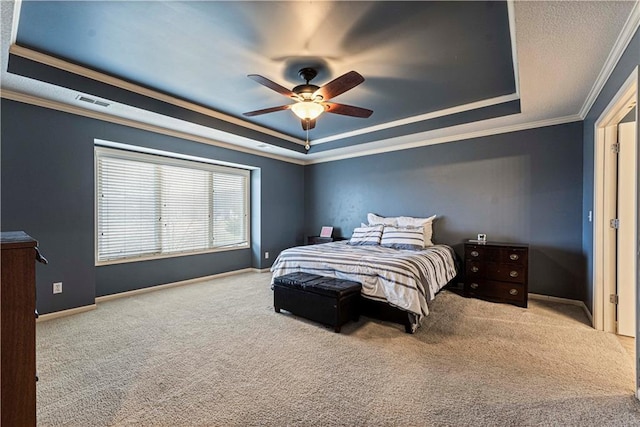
92	101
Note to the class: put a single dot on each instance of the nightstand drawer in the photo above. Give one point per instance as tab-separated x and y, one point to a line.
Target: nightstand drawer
475	269
505	272
474	252
495	271
501	291
512	256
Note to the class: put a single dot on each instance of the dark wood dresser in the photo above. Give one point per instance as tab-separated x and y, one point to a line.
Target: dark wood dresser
497	272
18	329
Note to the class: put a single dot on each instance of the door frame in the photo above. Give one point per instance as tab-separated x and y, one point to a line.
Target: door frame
627	203
604	312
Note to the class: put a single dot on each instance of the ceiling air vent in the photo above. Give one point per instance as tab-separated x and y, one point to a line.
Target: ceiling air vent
92	101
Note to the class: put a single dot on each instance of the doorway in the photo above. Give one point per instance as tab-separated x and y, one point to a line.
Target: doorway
615	216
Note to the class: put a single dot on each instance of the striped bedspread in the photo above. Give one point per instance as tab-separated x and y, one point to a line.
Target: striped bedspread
404	278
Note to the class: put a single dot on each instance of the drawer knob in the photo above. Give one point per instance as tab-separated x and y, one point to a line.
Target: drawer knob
474	269
513	291
514	257
513	273
474	286
474	253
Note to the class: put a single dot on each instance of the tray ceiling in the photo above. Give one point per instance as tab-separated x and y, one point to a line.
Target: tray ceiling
429	67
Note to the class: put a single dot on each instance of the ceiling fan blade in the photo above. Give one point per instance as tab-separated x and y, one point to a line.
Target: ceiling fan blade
347	110
272	85
308	124
266	110
339	85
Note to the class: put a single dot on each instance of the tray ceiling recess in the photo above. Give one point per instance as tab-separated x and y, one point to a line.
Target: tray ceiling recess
419	67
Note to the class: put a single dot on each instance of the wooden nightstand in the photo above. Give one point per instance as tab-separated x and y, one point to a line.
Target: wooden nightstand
497	272
315	240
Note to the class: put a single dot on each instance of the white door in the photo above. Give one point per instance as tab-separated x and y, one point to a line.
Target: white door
627	232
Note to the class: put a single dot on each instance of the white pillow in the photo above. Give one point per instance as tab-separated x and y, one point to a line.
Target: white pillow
403	238
426	223
363	236
375	219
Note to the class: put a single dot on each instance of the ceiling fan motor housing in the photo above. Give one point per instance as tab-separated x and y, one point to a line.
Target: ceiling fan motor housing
307	73
306	90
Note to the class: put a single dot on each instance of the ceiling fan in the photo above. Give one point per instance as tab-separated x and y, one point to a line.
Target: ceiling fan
311	100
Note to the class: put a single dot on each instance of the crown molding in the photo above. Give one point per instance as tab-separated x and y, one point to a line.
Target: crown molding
54	62
17	5
66	108
514	48
60	64
449	138
623	40
59	106
422	117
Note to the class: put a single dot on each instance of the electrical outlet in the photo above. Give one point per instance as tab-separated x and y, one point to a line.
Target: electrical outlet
266	255
57	288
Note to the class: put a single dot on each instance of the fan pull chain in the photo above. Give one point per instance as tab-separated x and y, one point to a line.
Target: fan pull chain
307	146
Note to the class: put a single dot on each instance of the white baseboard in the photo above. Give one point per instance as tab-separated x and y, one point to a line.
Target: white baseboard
172	285
76	310
64	313
564	301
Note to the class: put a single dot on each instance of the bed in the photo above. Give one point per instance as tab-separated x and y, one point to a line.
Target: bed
405	281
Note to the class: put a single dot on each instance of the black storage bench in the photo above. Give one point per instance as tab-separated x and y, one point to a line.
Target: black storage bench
323	299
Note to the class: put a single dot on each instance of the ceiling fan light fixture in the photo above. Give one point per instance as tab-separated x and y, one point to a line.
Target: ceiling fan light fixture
307	110
311	100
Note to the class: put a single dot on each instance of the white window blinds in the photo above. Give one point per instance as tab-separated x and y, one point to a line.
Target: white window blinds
154	206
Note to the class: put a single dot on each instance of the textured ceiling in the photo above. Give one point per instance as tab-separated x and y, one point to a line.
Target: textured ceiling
433	70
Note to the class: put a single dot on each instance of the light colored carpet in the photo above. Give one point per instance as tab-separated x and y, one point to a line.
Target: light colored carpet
629	344
216	354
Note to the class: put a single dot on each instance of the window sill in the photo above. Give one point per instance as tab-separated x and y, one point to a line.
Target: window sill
165	256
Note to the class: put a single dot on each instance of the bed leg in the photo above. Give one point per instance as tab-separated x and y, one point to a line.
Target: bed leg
412	324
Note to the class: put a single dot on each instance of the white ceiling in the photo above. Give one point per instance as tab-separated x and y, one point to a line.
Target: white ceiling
564	50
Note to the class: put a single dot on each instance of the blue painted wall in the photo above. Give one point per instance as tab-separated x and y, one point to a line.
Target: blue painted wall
517	187
531	186
627	63
47	183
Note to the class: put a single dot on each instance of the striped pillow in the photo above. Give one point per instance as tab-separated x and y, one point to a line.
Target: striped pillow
363	236
427	223
403	238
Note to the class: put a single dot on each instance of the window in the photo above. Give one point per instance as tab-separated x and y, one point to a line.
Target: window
150	206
